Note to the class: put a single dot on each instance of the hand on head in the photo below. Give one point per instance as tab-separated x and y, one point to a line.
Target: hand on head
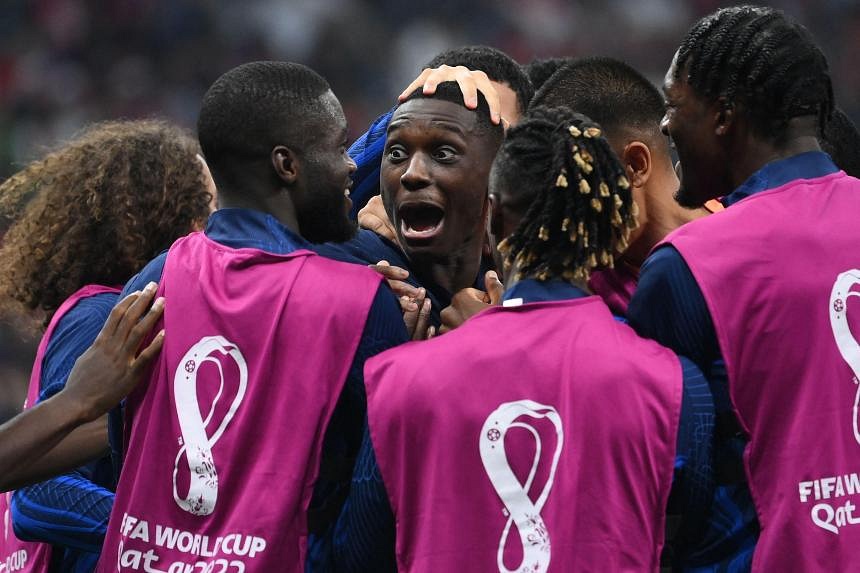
470	82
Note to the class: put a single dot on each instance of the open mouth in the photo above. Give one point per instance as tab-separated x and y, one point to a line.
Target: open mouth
420	221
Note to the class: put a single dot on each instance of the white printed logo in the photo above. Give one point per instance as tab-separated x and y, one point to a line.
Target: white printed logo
196	445
521	511
848	346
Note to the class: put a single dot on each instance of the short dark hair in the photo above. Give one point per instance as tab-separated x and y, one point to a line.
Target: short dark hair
498	66
578	206
256	106
842	141
608	91
450	91
761	58
540	70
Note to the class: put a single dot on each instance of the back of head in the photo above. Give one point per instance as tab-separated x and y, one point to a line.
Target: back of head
539	71
762	60
842	141
557	169
254	107
98	209
498	66
609	92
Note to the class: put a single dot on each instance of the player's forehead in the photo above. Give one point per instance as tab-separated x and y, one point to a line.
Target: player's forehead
436	114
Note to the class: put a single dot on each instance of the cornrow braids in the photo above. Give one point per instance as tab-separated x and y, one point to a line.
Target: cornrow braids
762	59
580	210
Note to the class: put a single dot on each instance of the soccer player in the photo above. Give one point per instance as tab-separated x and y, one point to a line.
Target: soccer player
434	175
243	437
629	109
512	91
525	438
762	296
104	204
509	91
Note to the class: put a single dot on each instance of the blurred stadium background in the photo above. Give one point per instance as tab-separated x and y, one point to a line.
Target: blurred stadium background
64	63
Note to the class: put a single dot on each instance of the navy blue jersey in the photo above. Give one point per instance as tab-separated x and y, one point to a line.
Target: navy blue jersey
368	248
70	511
363	538
669	307
241	228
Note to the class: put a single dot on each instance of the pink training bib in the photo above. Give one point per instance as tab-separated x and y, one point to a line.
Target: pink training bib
26	556
532	438
783	289
223	443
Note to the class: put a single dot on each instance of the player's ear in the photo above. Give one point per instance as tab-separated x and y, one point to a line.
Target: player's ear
286	164
637	163
724	116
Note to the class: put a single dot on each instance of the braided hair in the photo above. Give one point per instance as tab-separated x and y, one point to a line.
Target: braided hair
761	58
578	206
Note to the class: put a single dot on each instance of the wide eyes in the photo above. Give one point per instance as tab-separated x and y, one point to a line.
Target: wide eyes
396	153
442	154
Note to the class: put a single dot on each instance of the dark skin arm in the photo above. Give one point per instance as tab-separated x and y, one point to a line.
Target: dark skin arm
70	428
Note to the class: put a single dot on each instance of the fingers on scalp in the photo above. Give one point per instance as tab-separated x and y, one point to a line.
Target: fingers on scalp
416	83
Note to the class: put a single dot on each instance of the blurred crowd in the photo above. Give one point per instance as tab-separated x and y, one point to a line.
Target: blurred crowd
65	63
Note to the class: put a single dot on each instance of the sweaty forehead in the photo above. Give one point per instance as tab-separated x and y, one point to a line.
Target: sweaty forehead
433	113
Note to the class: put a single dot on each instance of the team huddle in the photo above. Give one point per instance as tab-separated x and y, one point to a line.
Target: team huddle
505	330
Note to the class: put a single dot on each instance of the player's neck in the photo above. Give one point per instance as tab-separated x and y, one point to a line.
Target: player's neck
277	205
456	271
754	152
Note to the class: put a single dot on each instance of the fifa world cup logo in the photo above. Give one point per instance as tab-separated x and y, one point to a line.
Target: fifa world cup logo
196	444
522	512
845	341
